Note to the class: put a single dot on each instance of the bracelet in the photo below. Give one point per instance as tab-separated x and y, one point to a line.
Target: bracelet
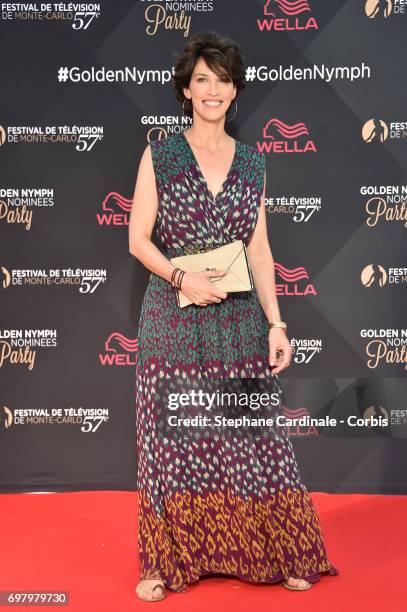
181	276
281	324
174	272
176	282
179	279
173	275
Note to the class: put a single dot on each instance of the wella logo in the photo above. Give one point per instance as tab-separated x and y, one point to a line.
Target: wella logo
116	210
298	429
280	137
119	351
293	281
294	19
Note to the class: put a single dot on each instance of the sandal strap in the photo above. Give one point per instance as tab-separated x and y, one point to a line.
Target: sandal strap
160	586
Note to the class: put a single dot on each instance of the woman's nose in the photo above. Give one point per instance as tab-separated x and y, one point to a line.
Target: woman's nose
213	89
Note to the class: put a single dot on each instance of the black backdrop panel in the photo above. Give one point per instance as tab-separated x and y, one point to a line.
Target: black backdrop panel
325	99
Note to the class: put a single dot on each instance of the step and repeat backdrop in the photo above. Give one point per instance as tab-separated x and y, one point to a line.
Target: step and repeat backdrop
85	86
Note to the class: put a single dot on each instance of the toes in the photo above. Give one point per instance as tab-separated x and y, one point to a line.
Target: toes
147	590
298	582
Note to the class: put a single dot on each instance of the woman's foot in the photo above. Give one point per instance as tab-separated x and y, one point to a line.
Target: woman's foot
297	584
151	589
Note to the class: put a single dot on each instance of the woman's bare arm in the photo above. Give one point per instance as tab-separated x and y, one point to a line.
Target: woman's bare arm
142	219
262	264
143	216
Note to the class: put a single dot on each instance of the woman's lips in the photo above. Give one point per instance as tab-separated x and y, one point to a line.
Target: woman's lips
212	103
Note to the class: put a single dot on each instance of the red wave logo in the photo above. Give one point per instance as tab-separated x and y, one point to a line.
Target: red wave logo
298	431
287	131
115	200
291	275
293	15
293	7
118	343
280	137
295	413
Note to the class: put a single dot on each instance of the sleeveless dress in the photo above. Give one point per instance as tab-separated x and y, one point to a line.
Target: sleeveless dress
225	503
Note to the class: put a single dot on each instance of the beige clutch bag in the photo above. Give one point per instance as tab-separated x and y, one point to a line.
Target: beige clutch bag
231	257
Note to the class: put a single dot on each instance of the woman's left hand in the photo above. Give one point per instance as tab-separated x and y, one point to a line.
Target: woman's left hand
278	341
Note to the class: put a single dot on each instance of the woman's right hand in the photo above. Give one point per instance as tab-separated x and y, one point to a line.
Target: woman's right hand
198	288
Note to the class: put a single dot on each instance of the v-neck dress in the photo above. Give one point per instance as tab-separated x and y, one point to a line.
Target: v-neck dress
224	503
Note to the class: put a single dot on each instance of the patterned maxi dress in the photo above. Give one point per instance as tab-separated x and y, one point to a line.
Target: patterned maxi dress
225	503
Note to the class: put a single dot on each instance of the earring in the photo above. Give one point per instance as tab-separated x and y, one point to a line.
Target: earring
234	112
183	108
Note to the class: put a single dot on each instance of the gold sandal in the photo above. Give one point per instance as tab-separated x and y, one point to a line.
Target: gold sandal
291	587
159	585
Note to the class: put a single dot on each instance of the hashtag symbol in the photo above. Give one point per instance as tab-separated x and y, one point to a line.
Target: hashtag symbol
63	74
250	73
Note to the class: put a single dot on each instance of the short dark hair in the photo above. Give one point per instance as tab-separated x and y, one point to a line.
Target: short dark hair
223	56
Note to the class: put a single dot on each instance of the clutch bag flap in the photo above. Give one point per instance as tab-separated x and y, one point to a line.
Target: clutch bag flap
231	257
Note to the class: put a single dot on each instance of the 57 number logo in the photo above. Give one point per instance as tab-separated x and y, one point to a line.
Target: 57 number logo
89	284
92	423
83	19
87	141
305	354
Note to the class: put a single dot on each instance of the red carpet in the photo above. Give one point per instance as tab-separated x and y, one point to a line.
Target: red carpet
85	543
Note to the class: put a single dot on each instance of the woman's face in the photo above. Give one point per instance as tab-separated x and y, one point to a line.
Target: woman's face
211	95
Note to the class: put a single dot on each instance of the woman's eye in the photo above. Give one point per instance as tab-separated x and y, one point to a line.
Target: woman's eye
223	79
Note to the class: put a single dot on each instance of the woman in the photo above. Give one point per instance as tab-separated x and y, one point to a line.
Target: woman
222	506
